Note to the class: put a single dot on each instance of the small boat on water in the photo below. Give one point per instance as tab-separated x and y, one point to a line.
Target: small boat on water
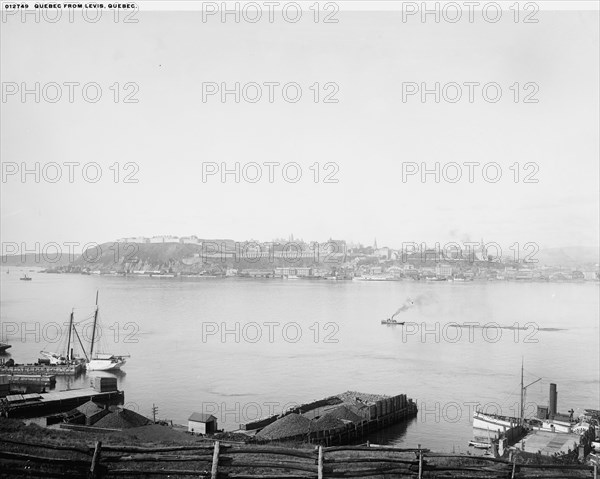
392	321
25	277
409	303
480	445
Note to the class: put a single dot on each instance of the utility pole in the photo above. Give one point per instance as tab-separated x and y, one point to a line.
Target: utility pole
154	411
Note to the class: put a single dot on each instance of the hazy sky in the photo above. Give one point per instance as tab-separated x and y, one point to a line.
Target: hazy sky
369	133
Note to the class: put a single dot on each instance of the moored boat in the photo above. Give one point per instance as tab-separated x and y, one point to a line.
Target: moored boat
102	361
105	362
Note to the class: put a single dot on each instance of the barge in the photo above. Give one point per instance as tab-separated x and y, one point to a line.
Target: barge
337	420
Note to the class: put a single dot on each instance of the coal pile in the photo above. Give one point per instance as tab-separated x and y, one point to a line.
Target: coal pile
288	426
345	412
122	419
355	396
326	422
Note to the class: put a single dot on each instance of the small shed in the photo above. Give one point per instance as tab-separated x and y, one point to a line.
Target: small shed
200	423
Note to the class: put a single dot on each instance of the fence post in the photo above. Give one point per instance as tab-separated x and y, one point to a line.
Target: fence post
215	462
595	471
514	468
95	460
420	463
320	464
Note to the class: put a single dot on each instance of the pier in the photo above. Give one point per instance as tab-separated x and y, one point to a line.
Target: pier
33	405
41	379
43	369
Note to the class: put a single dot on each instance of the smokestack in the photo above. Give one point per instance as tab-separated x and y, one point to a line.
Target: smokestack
553	401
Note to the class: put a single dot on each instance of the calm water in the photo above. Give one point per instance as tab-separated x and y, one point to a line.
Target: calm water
160	323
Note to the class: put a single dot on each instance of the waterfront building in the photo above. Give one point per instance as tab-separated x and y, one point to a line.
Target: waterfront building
304	272
590	276
201	423
444	270
283	272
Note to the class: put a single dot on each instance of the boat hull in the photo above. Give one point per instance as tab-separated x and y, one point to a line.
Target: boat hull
490	422
104	365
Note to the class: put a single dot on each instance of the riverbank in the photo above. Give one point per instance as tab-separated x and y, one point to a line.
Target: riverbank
30	450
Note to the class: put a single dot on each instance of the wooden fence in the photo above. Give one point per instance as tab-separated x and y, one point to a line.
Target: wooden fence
239	461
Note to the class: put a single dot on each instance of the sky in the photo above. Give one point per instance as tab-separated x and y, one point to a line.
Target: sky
367	139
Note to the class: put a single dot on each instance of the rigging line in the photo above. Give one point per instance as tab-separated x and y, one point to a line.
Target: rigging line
81	344
533	374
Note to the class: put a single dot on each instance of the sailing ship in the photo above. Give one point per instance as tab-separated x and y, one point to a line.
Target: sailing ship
4	347
102	361
25	277
68	357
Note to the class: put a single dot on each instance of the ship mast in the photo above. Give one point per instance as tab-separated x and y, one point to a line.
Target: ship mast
94	328
523	393
69	337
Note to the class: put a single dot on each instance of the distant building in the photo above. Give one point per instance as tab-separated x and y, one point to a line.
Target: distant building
524	274
303	271
200	423
256	273
444	270
133	239
590	276
283	272
190	240
383	253
578	275
164	239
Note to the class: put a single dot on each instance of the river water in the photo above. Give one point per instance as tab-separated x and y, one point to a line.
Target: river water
241	349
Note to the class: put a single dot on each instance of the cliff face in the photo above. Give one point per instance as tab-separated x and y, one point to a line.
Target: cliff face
174	258
122	257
